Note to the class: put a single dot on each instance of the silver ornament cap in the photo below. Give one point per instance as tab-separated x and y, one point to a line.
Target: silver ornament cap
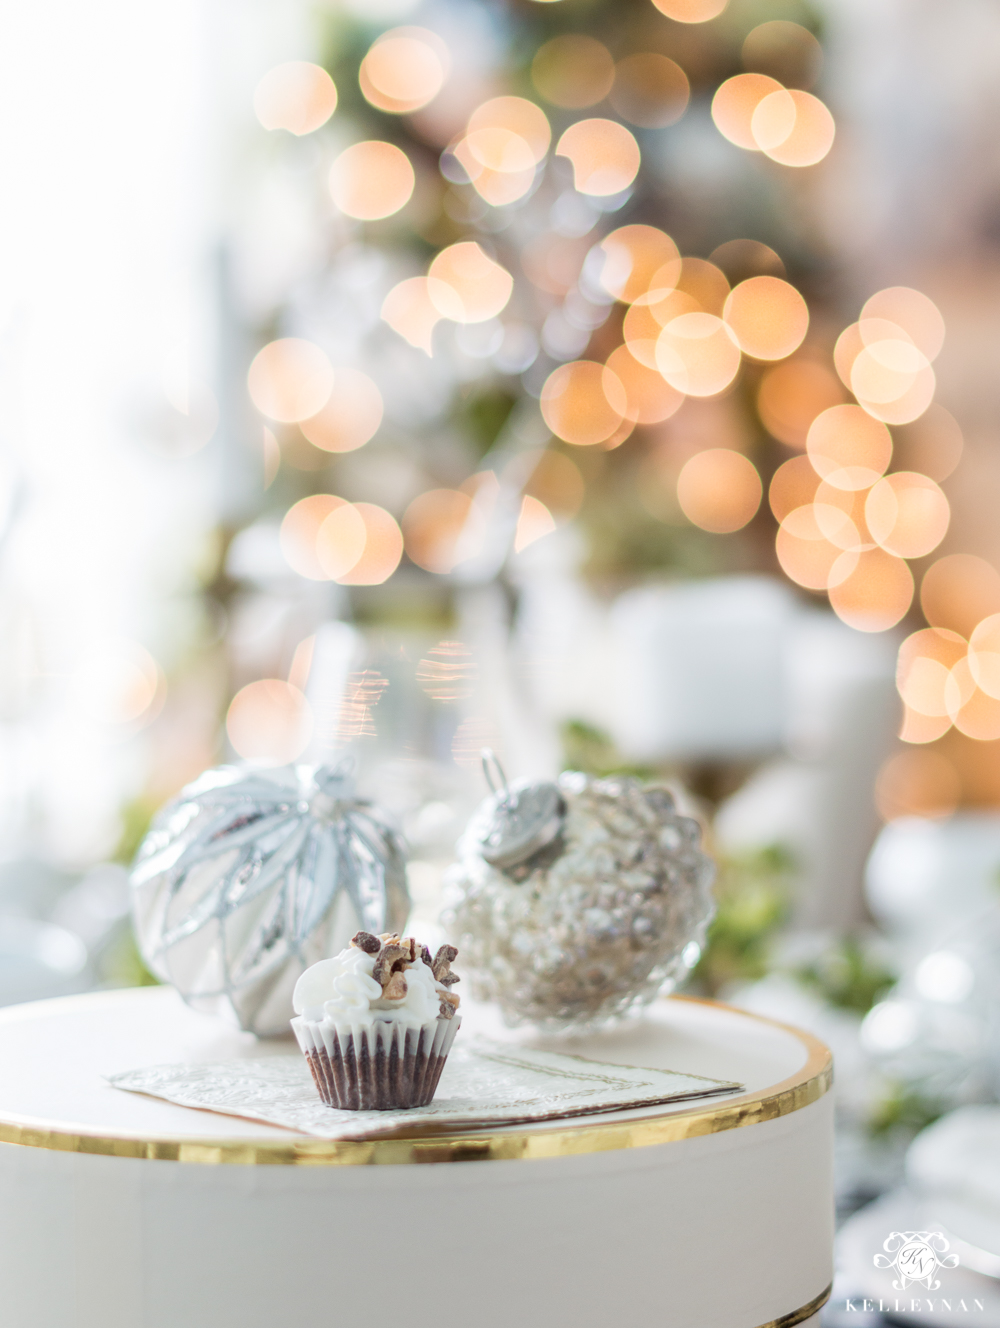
518	819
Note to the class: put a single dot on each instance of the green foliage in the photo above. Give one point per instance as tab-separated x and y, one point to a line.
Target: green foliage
122	966
136	816
591	750
847	976
904	1110
485	412
752	896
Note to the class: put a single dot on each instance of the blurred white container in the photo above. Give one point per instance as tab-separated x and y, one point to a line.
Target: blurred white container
699	668
39	960
839	713
954	1168
924	878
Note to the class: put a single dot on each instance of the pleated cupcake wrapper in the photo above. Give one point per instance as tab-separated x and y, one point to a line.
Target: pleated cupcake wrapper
385	1067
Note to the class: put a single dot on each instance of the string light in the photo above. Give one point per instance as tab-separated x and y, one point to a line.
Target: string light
371	180
604	156
404	69
297	96
719	490
583	403
290	380
768	317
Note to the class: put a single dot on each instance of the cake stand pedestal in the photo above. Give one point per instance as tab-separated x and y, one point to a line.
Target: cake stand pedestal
123	1211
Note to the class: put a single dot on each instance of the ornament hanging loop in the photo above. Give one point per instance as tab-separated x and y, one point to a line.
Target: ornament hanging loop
491	765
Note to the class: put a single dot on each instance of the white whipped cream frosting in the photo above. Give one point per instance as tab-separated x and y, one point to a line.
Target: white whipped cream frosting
343	991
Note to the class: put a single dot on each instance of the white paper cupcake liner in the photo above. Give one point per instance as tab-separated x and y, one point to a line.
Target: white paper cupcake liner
387	1066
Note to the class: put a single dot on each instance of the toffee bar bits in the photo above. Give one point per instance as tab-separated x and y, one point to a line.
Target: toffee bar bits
376	1022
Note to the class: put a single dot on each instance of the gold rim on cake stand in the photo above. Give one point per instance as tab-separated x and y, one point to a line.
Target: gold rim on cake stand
801	1315
512	1143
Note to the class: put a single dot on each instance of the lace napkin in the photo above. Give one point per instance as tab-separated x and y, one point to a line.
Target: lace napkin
484	1083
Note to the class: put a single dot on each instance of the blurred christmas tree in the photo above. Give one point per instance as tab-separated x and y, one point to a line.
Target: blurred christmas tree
562	263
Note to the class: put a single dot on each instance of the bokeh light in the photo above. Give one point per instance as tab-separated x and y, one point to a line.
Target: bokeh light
290	380
371	180
497	185
649	397
917	783
932	444
786	51
719	490
340	541
505	139
648	316
269	722
912	311
925	672
697	354
513	115
984	655
383	548
633	256
805	554
892	375
691	11
878	359
404	69
908	407
467	286
793	485
448	672
299	530
650	90
604	156
442	528
769	317
350	417
848	448
355	717
534	522
959	591
846	350
840	515
979	717
118	682
573	71
583	403
793	128
791	395
907	514
410	311
297	96
917	728
734	104
702	280
876	594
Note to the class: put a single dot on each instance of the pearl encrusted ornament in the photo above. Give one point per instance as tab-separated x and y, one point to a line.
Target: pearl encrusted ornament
577	901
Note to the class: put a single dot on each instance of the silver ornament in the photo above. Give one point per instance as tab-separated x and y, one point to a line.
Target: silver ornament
247	877
580	926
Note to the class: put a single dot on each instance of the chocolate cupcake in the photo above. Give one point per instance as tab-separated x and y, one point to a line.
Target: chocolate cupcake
376	1022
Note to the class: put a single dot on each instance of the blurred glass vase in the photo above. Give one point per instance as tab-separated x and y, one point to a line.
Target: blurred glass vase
249	876
575	902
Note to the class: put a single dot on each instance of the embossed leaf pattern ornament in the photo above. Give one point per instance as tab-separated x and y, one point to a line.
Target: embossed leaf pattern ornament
247	877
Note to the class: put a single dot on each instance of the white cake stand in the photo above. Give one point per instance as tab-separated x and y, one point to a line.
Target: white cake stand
123	1211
